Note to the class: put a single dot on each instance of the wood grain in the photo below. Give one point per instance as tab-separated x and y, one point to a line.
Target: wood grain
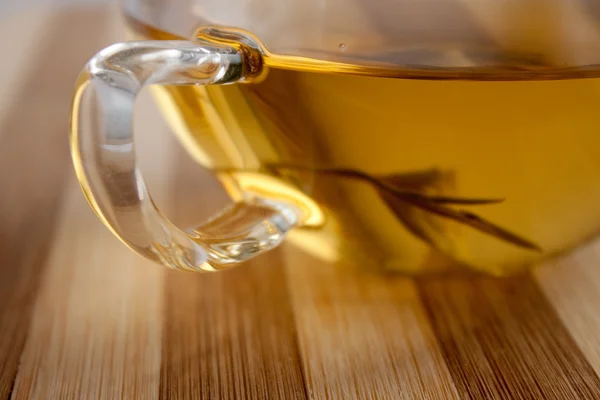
571	284
229	335
35	161
363	335
96	327
97	322
502	339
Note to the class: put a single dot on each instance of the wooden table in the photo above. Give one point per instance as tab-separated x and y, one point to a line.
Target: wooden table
83	317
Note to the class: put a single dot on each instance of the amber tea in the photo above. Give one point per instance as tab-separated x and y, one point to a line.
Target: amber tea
421	174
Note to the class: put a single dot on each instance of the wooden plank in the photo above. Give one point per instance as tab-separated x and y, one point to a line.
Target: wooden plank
34	161
96	327
362	334
502	340
97	322
571	284
228	335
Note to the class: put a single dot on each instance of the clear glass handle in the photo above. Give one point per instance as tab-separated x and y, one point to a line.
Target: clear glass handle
103	153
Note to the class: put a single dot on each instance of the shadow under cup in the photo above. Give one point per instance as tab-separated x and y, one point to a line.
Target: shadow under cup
488	161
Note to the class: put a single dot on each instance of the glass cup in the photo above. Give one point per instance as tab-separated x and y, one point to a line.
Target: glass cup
425	136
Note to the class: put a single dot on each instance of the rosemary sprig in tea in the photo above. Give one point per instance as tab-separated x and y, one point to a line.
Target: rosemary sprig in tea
401	190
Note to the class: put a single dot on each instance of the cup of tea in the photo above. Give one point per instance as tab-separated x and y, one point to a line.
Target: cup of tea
430	136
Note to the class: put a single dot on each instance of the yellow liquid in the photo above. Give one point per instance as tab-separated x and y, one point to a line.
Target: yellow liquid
534	143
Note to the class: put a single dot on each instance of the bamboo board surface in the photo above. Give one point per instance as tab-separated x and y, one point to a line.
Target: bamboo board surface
83	317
